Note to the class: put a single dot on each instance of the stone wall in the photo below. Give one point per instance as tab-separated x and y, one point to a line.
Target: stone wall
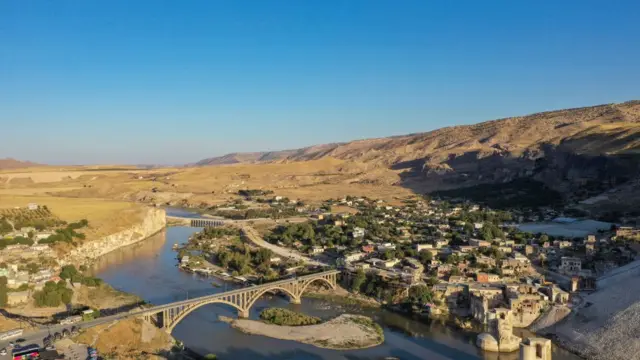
153	222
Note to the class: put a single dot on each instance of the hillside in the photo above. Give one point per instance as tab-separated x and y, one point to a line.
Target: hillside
9	163
582	152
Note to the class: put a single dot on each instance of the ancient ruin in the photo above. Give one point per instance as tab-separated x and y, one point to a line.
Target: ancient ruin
500	337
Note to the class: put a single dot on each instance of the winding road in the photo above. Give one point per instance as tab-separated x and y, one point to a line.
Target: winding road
252	235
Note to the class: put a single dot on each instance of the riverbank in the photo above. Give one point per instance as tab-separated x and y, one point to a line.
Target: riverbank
345	332
153	221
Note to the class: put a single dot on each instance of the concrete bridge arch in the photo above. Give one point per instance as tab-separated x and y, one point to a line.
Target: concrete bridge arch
168	316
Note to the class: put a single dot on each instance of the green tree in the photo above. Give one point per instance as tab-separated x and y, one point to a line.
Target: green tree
33	268
425	256
358	280
420	295
5	226
3	291
68	272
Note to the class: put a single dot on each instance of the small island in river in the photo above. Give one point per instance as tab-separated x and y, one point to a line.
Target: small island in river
344	332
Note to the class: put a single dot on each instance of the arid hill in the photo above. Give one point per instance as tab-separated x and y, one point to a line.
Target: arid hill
9	163
580	151
590	156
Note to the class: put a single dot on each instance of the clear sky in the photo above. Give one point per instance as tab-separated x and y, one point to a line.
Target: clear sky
152	81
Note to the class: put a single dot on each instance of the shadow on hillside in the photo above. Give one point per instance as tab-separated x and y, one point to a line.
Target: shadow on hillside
560	167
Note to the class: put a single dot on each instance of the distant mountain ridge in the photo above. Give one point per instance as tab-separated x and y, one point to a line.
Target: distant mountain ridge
578	152
618	123
10	163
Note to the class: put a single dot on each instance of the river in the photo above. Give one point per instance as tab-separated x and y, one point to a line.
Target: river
148	269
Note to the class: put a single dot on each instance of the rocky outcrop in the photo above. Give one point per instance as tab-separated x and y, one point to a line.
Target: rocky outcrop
152	222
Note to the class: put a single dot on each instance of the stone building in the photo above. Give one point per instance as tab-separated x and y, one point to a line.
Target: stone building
535	349
500	337
570	265
526	308
555	294
483	277
482	299
583	283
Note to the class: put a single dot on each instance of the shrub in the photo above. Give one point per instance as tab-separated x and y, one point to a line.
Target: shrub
278	316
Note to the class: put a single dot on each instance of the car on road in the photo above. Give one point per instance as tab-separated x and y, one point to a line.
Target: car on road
3	351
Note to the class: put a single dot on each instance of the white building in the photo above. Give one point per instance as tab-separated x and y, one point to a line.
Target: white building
386	246
420	247
355	256
358	232
317	250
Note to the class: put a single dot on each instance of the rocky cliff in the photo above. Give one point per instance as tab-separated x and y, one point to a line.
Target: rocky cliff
152	222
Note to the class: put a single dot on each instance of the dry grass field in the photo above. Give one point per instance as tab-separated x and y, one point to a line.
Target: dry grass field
310	181
113	198
105	216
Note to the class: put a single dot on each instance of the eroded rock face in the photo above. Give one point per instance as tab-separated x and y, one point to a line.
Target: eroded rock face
153	221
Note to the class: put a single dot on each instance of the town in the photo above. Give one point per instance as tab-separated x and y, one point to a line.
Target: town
32	271
452	259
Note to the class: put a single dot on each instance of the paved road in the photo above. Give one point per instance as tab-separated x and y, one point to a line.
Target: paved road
255	238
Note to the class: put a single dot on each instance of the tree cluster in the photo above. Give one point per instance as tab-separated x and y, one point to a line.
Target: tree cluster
4	297
5	226
69	272
278	316
53	294
216	232
242	260
67	234
16	240
372	285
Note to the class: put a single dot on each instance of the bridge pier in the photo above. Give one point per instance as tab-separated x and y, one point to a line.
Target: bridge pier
295	300
243	314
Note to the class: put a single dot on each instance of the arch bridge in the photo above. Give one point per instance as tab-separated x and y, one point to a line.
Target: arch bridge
168	316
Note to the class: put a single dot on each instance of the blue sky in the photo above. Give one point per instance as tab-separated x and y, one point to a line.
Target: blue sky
176	81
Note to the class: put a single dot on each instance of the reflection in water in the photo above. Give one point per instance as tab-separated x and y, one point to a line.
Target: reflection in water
146	249
148	269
